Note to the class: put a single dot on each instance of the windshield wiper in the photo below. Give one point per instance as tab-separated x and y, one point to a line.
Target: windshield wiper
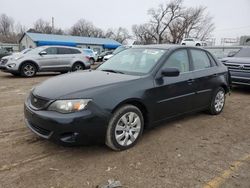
113	71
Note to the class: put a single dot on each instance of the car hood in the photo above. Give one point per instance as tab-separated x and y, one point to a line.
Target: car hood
65	86
240	60
12	56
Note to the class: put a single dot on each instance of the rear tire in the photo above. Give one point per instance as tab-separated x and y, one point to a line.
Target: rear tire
77	67
92	61
198	44
125	128
218	102
28	70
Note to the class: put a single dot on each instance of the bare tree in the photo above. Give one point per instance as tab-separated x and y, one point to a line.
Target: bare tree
120	35
7	33
42	26
6	25
20	29
173	22
161	18
85	28
143	34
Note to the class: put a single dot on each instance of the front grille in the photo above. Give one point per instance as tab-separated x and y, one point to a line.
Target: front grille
3	61
238	67
38	102
40	130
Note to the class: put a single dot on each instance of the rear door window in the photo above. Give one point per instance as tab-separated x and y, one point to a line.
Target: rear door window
64	51
200	59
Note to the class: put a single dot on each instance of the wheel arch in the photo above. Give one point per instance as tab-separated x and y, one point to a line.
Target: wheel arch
139	104
29	61
225	87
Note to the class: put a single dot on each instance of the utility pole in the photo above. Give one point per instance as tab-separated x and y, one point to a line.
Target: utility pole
52	24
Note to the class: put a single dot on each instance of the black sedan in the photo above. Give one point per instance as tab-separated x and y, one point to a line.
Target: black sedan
136	89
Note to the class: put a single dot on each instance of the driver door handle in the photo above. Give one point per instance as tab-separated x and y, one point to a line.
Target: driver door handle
190	81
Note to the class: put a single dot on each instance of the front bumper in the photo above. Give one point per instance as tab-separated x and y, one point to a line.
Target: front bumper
88	126
6	68
240	77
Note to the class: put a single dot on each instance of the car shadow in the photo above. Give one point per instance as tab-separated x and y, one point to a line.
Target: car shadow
241	89
45	74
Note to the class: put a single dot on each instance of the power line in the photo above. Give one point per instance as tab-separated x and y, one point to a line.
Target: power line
233	28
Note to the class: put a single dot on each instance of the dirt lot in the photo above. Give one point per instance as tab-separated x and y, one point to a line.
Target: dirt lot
194	151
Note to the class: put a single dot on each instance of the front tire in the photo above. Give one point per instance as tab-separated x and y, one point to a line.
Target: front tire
217	102
198	44
77	67
28	70
125	128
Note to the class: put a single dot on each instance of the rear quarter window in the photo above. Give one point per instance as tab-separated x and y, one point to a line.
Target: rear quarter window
75	51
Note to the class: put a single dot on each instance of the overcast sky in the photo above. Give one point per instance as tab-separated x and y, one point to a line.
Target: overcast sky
231	17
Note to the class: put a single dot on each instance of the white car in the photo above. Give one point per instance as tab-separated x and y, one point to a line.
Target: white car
192	42
117	50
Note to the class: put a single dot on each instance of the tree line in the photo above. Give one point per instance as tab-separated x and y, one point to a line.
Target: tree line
170	22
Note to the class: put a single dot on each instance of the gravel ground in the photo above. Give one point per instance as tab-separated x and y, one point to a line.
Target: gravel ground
198	150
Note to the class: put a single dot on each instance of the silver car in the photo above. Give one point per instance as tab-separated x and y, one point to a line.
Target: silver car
45	59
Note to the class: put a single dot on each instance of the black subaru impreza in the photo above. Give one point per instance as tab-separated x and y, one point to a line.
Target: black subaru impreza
136	89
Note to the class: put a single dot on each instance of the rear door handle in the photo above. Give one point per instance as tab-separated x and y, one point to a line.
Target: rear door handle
215	75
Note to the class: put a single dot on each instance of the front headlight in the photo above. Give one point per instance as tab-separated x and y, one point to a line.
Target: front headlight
69	106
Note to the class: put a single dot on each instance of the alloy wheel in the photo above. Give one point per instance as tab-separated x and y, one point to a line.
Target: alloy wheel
219	101
29	70
128	129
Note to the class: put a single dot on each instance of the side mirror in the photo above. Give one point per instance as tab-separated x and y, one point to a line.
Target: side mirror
43	53
170	72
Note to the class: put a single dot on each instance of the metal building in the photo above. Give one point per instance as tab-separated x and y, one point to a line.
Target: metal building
32	40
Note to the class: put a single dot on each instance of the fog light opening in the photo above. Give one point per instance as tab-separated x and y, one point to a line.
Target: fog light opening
70	137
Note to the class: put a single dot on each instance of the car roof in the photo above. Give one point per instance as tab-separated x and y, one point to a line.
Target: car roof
58	46
164	46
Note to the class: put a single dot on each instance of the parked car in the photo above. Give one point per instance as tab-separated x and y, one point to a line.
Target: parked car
221	52
239	66
46	58
4	52
116	51
136	89
91	56
192	42
101	56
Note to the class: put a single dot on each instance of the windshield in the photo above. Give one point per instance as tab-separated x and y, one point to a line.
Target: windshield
133	61
244	52
119	49
25	50
36	50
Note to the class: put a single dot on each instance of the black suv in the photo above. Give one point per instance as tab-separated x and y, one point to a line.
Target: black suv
239	66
